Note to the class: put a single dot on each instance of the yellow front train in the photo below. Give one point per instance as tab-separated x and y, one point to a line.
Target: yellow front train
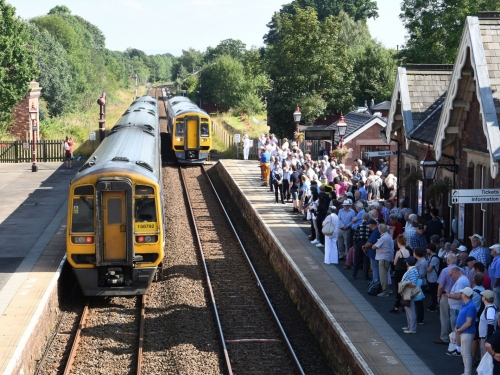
115	234
190	129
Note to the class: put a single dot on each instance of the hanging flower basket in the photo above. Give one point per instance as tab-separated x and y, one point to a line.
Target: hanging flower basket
437	188
340	153
299	136
411	179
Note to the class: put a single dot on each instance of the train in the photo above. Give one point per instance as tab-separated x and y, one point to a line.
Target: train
190	129
115	236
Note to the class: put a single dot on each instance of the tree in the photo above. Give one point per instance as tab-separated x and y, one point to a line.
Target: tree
358	10
435	27
55	74
306	59
191	59
234	48
17	63
223	82
311	106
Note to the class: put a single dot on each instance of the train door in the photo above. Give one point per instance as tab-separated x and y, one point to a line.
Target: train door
192	138
114	228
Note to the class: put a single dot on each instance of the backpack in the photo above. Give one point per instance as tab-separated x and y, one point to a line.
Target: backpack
277	175
373	288
442	265
66	146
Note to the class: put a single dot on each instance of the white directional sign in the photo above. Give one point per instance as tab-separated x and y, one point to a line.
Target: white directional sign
237	138
92	136
475	196
374	154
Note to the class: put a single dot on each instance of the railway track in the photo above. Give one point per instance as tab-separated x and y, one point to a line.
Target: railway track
253	340
104	340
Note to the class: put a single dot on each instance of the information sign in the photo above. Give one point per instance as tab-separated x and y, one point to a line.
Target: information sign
374	154
459	196
26	146
237	138
92	136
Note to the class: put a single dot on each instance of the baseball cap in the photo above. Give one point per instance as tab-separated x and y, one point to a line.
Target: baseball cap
371	221
462	248
411	261
489	294
495	247
467	291
373	204
470	259
347	202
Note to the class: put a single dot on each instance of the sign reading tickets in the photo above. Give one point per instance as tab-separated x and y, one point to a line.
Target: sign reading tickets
237	138
145	227
460	196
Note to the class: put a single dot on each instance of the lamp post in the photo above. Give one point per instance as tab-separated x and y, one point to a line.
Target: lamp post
34	128
102	116
342	129
383	136
428	166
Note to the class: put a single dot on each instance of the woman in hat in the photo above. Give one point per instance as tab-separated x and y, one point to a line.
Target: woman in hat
246	147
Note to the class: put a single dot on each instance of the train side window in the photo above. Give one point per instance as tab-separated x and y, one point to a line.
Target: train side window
83	215
145	210
179	128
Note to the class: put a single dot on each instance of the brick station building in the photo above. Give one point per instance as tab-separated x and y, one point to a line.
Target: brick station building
453	110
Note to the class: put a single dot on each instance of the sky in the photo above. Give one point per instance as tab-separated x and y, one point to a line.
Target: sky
161	26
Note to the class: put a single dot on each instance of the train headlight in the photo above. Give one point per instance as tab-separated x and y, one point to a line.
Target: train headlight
82	239
180	139
146	239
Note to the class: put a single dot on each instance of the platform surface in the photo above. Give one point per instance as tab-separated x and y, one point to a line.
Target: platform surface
32	243
375	333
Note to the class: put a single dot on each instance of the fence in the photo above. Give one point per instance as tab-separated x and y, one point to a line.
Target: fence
225	133
21	151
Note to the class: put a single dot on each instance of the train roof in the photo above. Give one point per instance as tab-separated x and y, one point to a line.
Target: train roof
178	99
181	108
132	146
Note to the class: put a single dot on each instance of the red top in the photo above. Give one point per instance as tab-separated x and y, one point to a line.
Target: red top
398	229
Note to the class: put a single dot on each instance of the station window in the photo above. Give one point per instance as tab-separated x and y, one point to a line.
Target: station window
145	209
83	215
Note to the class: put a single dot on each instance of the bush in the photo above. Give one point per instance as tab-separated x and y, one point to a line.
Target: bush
250	105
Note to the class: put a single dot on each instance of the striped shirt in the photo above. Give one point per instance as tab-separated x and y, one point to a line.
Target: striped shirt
411	275
362	232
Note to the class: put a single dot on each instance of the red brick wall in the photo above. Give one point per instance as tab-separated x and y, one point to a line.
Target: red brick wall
20	120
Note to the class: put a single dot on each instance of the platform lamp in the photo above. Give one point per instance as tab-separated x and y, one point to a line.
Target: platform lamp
342	129
34	128
428	166
296	116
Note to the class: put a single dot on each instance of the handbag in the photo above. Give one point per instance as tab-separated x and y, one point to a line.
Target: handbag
486	365
405	302
328	229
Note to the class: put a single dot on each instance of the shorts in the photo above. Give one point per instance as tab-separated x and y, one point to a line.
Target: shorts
295	195
69	156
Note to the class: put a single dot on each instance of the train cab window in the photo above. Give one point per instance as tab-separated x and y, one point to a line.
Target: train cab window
83	215
145	210
179	128
204	130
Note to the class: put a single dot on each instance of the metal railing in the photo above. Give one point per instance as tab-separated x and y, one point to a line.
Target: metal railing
21	152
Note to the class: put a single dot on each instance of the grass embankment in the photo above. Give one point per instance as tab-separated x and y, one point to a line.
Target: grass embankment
79	125
242	125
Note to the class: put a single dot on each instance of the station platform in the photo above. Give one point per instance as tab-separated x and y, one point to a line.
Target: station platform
32	243
372	335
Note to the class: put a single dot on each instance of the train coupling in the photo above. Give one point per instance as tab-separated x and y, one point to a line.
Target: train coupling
114	276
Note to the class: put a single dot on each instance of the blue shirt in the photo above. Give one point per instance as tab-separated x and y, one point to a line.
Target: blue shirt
265	157
364	194
345	217
494	270
411	275
445	279
359	216
374	236
467	311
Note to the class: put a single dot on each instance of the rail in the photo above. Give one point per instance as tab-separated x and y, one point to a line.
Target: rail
256	277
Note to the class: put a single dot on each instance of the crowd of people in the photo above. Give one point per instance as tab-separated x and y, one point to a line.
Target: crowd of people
355	216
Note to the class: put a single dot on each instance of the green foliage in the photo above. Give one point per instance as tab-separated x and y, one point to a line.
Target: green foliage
17	63
435	27
191	59
375	68
223	82
234	48
55	75
60	9
358	10
311	106
306	59
250	104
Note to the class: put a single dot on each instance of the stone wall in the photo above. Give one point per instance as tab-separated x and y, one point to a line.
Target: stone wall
332	341
20	127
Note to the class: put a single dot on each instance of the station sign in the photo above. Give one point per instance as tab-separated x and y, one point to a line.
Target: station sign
459	196
92	136
374	154
237	138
